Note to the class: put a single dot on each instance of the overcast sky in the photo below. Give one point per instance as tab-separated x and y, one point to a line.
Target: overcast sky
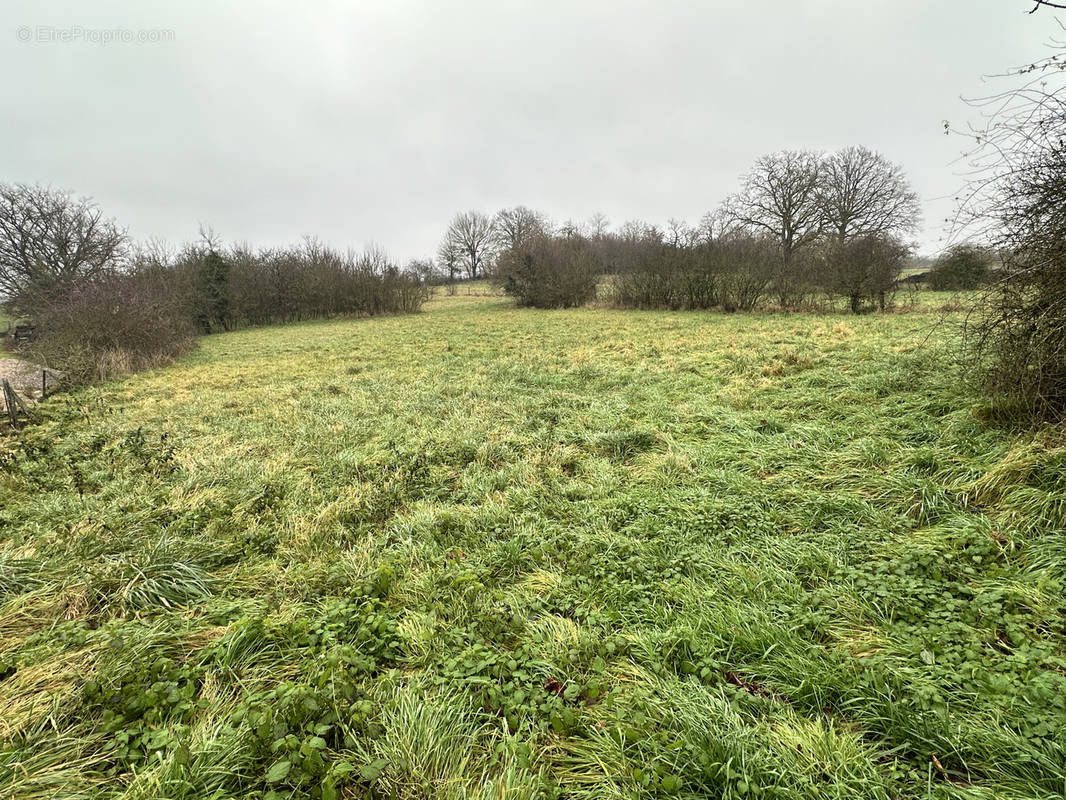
377	121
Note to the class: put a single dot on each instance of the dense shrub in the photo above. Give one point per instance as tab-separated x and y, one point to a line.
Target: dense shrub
798	284
657	277
1019	328
746	266
149	311
962	267
730	273
864	270
740	271
548	272
111	323
1017	332
280	285
402	292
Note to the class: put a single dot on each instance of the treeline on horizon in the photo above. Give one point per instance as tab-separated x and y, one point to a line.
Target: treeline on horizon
805	230
100	304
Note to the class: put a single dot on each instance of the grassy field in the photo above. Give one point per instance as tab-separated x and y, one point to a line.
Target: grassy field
499	553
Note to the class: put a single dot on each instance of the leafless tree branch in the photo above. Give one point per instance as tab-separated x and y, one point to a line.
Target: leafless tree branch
1046	4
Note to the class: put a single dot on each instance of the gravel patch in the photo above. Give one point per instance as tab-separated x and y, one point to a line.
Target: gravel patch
26	378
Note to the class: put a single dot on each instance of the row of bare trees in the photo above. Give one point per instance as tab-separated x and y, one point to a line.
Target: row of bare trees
100	303
236	286
804	228
734	270
473	241
799	197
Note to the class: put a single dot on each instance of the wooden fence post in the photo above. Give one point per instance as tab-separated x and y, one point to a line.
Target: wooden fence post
10	405
14	404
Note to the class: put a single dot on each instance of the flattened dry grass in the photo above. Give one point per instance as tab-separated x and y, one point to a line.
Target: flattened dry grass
489	552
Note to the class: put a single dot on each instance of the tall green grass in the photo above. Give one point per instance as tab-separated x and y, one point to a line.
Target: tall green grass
496	553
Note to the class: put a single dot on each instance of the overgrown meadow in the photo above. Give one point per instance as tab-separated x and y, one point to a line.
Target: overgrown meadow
500	553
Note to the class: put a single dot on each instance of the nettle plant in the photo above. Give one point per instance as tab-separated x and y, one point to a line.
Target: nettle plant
297	728
293	731
147	712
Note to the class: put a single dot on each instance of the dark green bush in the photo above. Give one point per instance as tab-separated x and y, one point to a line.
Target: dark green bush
962	267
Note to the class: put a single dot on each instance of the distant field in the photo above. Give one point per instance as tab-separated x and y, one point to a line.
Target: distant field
494	553
7	321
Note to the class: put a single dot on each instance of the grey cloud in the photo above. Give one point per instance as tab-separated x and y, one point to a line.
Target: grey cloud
378	121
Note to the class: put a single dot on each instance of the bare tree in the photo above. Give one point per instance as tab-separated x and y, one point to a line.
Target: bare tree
636	230
517	226
152	254
598	225
210	239
425	269
862	193
374	260
471	240
780	197
49	239
570	229
448	257
679	234
709	227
